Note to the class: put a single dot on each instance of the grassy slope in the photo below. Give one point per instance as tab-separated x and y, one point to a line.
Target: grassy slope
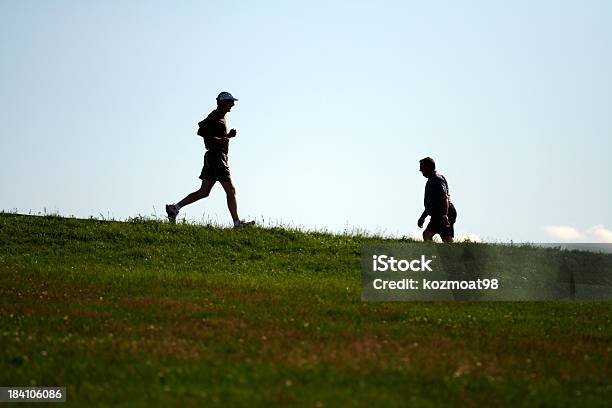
143	312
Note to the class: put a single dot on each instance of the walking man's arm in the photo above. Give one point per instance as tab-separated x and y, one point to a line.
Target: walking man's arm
221	140
445	205
422	218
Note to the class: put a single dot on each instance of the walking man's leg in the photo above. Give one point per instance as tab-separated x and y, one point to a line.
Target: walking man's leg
203	192
173	209
428	235
230	193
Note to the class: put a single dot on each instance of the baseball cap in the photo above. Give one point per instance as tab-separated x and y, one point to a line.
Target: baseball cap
226	96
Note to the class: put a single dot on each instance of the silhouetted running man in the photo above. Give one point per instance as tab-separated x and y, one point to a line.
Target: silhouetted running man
216	168
437	204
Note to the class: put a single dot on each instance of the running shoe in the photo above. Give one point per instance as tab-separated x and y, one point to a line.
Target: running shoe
172	213
244	224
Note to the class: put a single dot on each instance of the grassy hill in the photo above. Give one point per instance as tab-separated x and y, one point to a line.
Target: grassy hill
144	312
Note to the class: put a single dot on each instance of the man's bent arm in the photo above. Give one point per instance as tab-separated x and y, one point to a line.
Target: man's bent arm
219	140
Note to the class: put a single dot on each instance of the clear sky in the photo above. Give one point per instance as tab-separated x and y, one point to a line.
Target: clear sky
99	104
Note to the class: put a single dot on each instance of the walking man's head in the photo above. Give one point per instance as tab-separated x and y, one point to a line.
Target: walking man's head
427	166
225	101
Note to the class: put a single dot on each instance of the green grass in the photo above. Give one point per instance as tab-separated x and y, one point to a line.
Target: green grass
143	312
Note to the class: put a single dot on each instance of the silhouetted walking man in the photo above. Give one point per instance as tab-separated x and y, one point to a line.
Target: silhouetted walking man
216	168
437	204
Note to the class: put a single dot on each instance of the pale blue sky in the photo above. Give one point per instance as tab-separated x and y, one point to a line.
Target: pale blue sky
99	103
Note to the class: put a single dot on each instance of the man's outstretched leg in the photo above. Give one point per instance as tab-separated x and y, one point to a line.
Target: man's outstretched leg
230	193
173	209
